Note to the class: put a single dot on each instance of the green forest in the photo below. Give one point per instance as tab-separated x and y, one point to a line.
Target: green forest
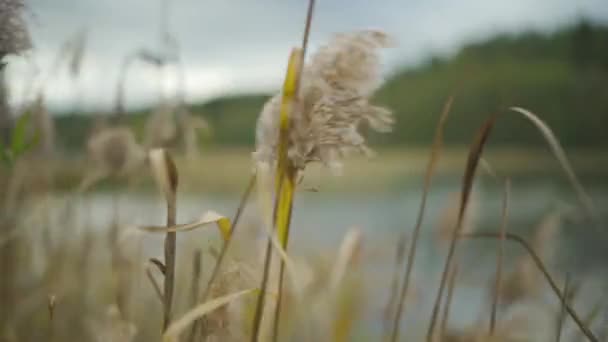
561	76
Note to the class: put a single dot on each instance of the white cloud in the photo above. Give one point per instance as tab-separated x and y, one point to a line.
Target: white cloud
241	45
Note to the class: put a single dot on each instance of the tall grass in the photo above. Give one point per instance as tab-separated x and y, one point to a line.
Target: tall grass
69	286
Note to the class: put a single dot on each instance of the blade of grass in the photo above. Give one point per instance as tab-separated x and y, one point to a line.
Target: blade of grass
390	308
222	222
448	302
346	308
194	288
155	286
500	254
589	319
347	253
560	155
540	265
233	229
430	171
562	315
475	153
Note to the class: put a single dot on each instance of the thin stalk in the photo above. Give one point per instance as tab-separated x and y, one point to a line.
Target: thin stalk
226	245
170	251
194	289
284	240
435	153
562	315
539	264
51	307
585	200
500	255
285	176
448	302
261	301
292	173
165	173
395	284
589	319
155	286
475	152
430	171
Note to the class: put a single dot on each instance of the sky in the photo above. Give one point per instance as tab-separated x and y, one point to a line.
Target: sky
241	46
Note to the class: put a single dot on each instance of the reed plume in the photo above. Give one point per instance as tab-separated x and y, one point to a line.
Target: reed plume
14	36
318	118
112	151
334	104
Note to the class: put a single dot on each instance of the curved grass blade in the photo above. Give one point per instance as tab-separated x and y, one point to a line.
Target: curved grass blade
430	171
541	266
500	254
560	155
210	217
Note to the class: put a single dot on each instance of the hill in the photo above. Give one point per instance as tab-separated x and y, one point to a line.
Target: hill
562	76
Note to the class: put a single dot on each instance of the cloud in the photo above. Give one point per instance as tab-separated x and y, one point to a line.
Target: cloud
241	45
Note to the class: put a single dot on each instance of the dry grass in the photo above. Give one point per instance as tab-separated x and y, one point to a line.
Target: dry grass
63	281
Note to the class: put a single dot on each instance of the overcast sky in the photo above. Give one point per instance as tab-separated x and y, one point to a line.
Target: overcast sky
235	46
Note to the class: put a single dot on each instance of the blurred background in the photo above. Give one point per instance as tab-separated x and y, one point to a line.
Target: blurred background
106	80
221	61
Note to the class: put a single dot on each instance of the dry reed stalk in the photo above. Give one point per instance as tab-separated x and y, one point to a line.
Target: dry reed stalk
562	315
346	261
539	264
287	173
285	183
589	320
390	308
524	281
448	216
223	252
500	254
331	104
194	288
165	174
475	153
430	171
51	304
448	302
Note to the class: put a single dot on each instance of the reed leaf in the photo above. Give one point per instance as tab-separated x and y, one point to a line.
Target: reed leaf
210	217
475	152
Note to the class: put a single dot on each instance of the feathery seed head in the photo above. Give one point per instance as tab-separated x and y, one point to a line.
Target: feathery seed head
14	37
333	105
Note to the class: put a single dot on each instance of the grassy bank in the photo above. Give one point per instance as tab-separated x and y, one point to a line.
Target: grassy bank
226	170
